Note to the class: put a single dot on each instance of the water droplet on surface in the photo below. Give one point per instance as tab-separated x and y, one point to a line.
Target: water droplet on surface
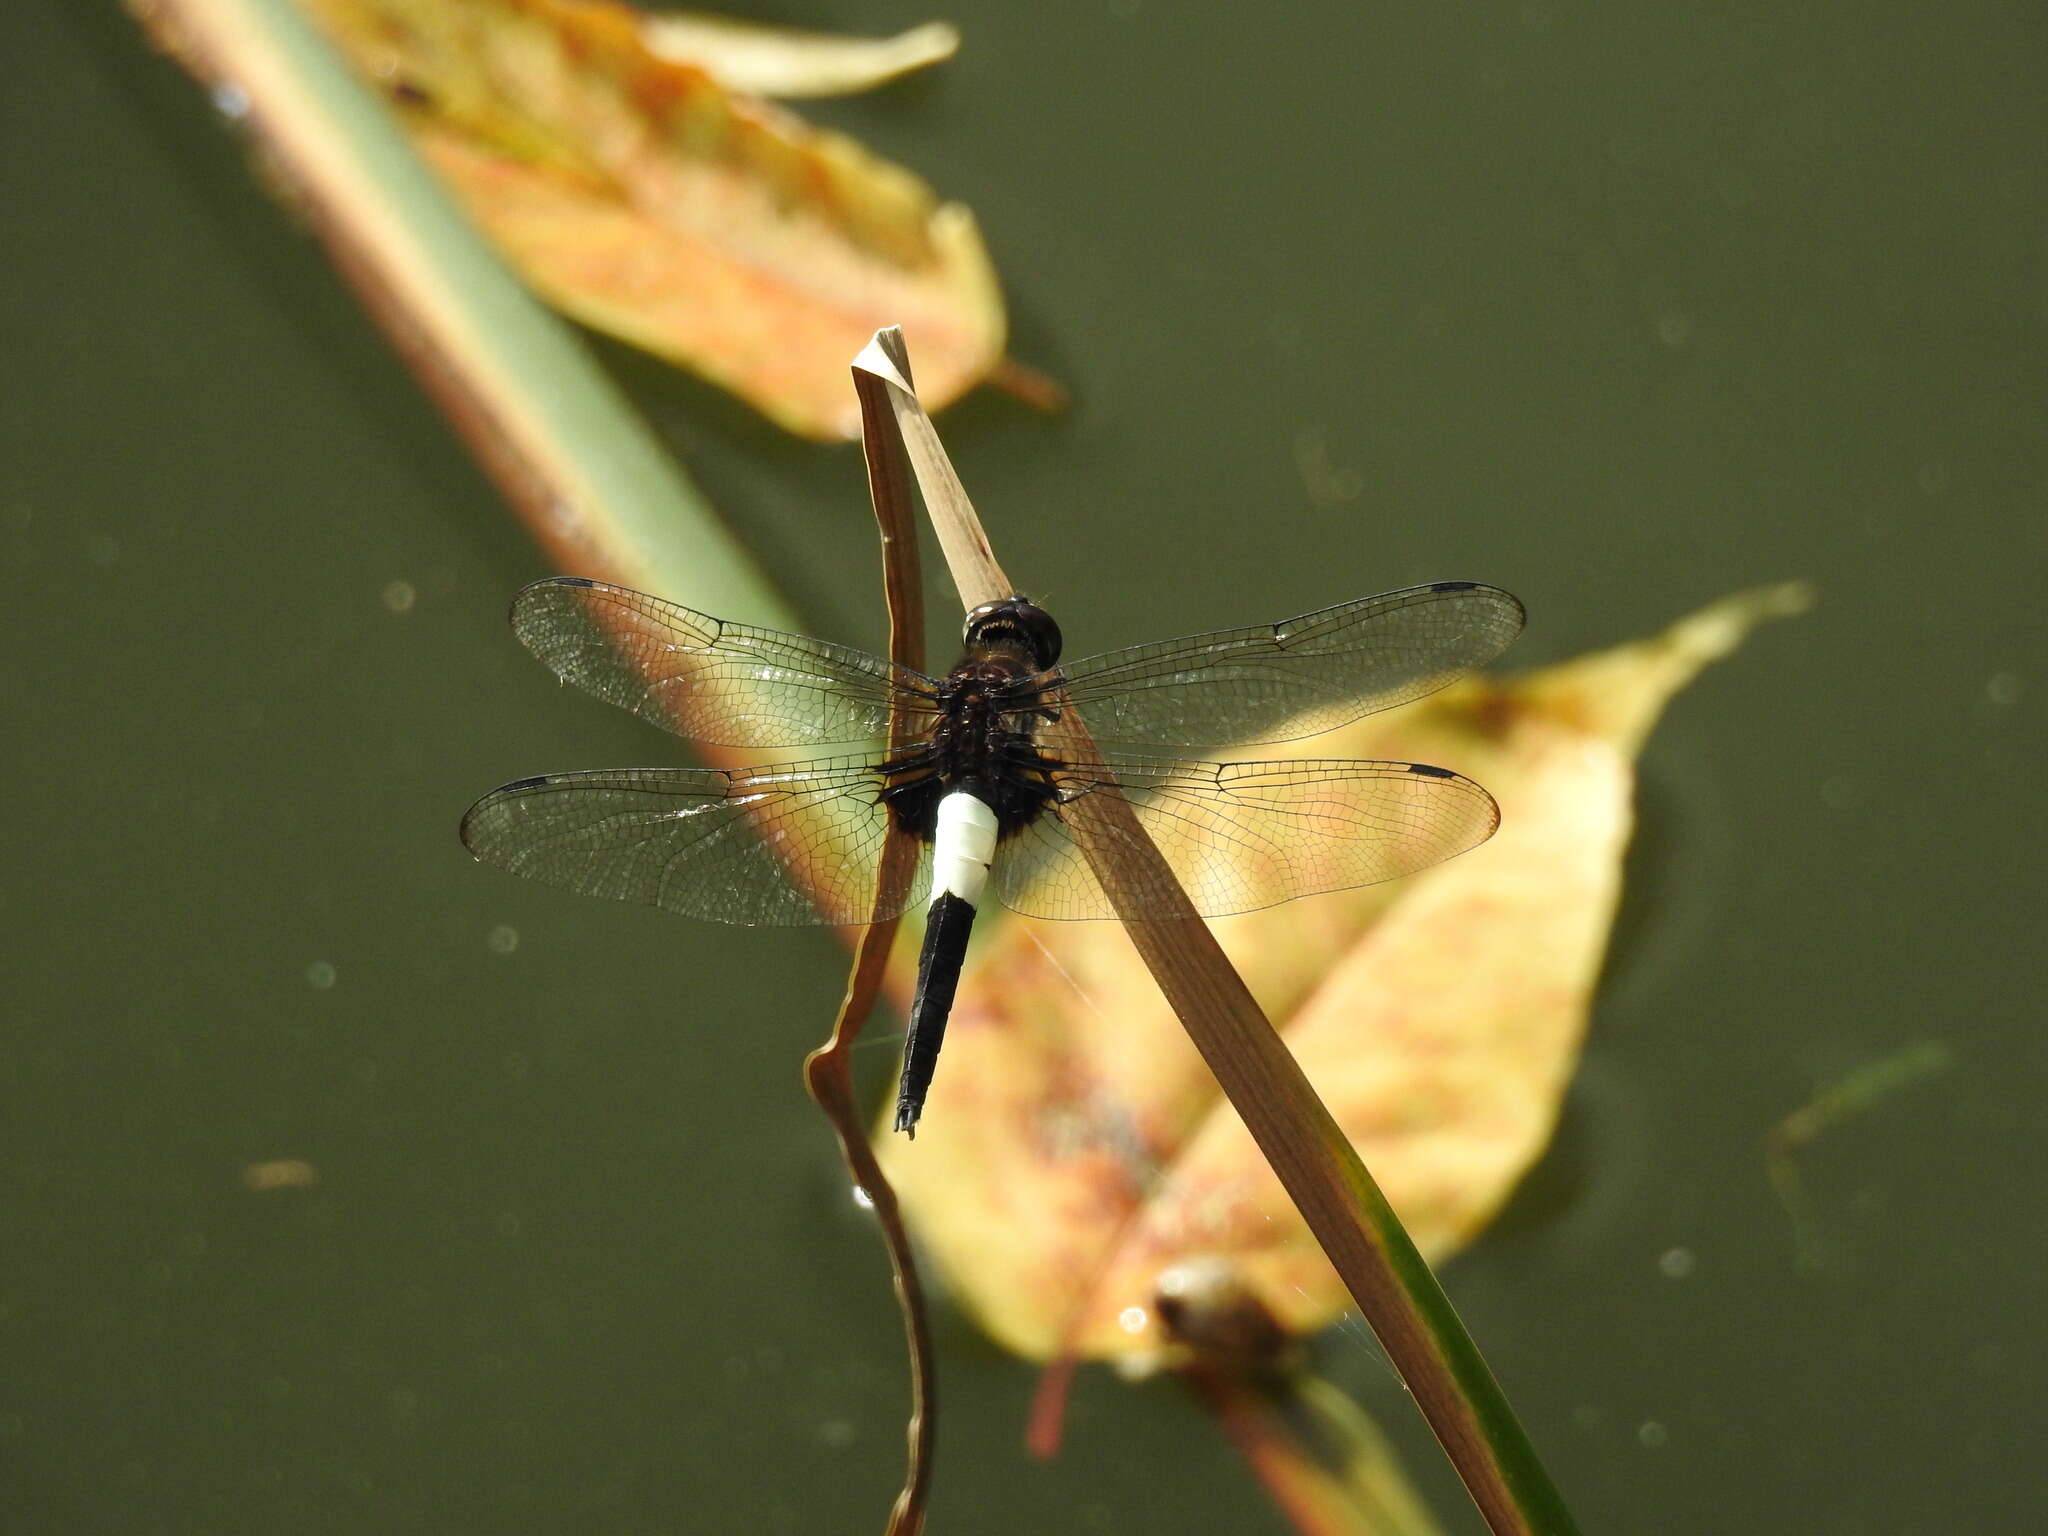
503	939
1677	1263
399	596
2005	688
1652	1435
1132	1319
320	976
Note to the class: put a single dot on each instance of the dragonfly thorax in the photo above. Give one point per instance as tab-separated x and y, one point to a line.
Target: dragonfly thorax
981	741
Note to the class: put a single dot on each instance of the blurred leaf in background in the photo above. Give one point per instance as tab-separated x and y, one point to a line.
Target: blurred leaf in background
638	192
786	62
1077	1142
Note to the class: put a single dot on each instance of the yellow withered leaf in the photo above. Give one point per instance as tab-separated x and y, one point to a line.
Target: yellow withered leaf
1075	1147
645	198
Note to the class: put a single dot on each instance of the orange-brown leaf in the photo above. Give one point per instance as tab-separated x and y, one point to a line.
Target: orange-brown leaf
641	196
1075	1147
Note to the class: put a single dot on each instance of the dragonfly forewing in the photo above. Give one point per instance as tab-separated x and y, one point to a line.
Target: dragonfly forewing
713	680
1280	682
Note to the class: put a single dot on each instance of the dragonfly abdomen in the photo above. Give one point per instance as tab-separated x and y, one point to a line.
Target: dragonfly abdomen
963	846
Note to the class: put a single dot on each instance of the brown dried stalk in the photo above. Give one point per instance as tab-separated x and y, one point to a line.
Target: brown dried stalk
1320	1169
828	1071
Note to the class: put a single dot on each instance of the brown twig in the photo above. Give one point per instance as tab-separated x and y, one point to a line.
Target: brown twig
828	1071
1315	1162
966	548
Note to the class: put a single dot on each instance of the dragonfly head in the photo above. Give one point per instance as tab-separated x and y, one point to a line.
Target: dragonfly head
1016	621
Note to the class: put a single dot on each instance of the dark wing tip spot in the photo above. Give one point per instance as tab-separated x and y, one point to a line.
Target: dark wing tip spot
572	581
1453	586
518	784
1428	772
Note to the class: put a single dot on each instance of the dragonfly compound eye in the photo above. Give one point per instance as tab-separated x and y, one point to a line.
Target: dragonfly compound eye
1017	621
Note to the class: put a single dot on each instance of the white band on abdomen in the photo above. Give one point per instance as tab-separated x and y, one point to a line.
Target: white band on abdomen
962	846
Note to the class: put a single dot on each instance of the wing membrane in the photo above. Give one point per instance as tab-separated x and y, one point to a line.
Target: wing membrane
742	846
1241	836
705	678
1301	677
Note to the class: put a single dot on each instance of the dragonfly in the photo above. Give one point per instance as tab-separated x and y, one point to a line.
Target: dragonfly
989	766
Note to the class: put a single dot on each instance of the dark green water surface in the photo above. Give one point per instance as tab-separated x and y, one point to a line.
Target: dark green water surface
1619	306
